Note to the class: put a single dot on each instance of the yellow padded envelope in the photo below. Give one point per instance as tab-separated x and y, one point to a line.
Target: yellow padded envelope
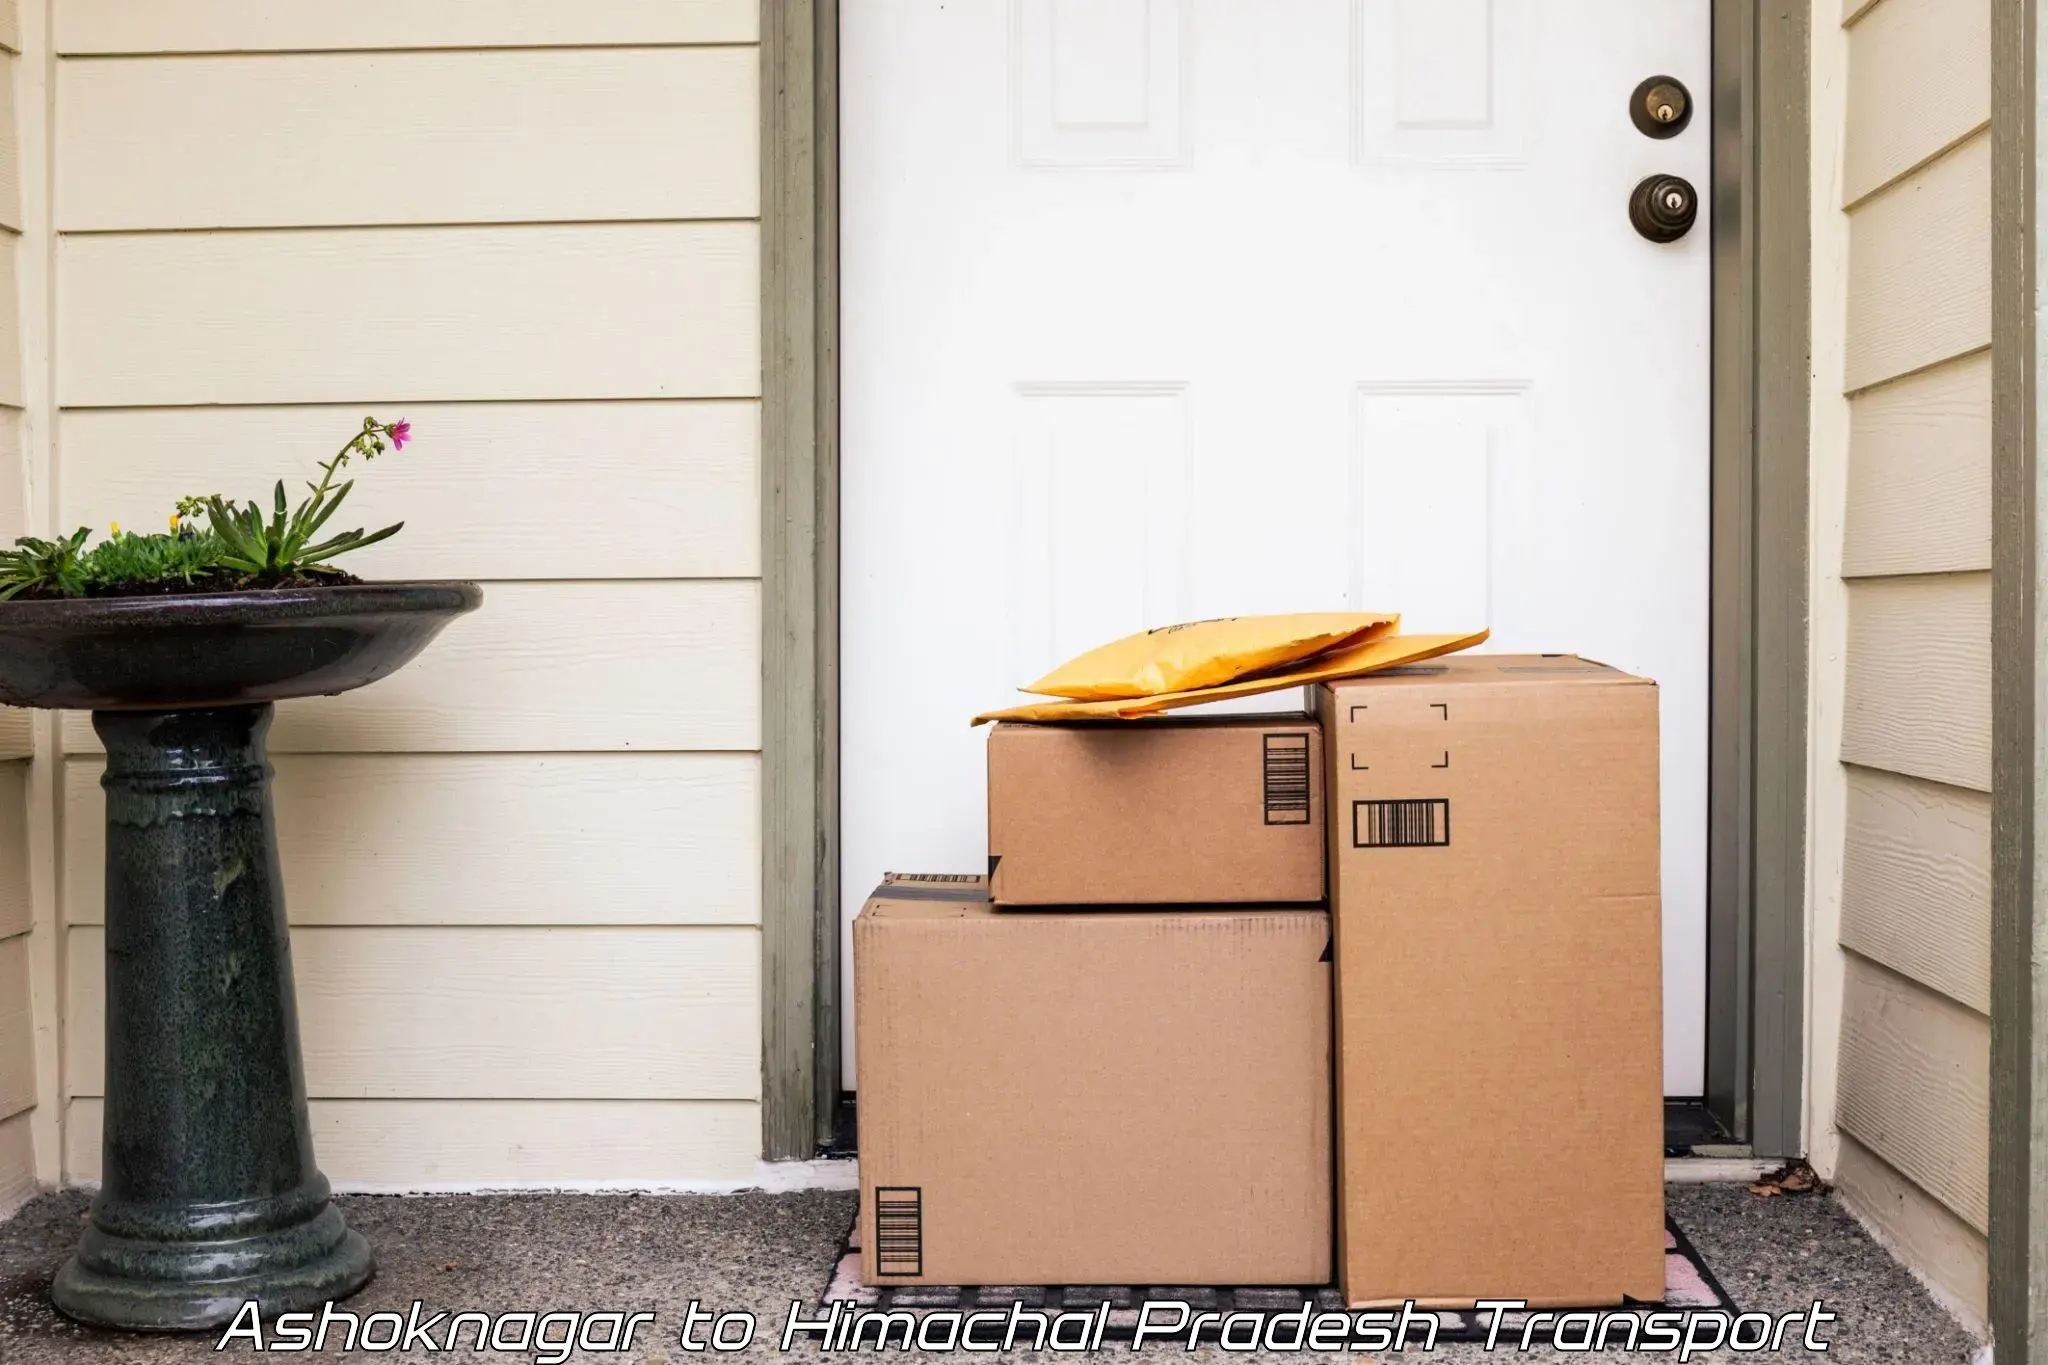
1204	653
1349	661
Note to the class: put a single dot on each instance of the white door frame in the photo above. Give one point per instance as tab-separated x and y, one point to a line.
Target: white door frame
1757	714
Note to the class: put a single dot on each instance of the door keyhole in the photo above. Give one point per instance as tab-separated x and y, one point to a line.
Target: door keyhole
1660	107
1663	207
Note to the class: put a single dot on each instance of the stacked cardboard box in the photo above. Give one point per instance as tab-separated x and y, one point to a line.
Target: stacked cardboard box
1212	811
1112	1060
1494	888
1109	1061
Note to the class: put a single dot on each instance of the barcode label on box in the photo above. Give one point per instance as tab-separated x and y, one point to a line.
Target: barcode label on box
899	1230
1401	824
1287	779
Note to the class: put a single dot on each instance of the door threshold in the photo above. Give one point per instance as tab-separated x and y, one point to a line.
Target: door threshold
1717	1170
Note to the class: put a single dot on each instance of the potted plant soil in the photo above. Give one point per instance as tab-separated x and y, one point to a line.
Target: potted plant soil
179	643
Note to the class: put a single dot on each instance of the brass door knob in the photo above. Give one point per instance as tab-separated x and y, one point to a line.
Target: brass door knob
1660	107
1663	207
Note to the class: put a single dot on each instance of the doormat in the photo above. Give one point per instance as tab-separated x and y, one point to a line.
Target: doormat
1688	1285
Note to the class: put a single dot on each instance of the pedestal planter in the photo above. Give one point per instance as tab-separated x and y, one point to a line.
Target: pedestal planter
210	1195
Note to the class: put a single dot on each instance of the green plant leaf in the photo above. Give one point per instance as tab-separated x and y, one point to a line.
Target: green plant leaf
334	502
251	523
295	534
232	528
299	515
351	540
273	539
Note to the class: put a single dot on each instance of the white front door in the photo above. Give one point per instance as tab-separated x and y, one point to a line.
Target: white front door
1163	309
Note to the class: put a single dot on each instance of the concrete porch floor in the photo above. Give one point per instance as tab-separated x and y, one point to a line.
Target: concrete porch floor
756	1252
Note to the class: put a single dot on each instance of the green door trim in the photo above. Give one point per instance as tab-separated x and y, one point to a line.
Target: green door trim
799	576
1756	851
2019	744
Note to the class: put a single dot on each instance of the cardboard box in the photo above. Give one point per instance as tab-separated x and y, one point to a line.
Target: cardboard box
1194	811
1094	1097
1494	888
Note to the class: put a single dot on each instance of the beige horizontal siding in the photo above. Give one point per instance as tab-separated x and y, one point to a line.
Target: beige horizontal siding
497	1013
1920	473
488	839
490	490
10	328
17	1164
1951	1255
127	27
1919	82
1912	1084
1916	882
17	1030
16	726
13	479
15	909
17	1017
1920	268
1915	1085
10	142
523	873
416	1144
554	666
412	137
396	315
1919	678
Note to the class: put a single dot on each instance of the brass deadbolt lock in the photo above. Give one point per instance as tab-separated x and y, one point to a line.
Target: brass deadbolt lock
1660	107
1663	207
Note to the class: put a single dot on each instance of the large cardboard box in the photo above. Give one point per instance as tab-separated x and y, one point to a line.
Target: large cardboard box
1185	811
1095	1097
1494	891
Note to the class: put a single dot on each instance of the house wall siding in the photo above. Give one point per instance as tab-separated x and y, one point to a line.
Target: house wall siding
18	1076
1910	1084
17	1023
522	874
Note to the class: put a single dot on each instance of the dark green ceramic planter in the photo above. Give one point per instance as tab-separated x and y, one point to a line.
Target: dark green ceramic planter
210	1196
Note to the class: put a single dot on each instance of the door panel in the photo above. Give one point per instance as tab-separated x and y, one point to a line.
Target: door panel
1163	309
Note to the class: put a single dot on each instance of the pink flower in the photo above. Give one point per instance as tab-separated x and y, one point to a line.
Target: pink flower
401	432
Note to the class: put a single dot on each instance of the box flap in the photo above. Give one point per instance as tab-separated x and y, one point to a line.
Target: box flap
927	895
1497	668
